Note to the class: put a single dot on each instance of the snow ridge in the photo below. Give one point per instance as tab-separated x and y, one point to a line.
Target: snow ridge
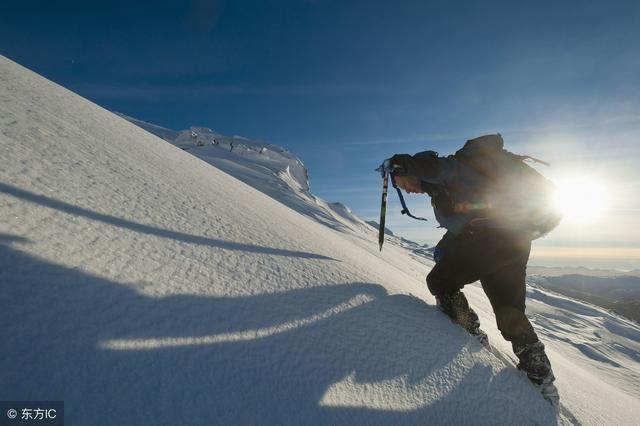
276	172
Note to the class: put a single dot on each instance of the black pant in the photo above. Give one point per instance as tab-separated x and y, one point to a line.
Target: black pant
498	259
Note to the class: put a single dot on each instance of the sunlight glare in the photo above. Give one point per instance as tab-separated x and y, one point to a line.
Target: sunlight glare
582	200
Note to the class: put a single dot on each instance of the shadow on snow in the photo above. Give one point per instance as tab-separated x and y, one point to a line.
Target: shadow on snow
55	318
148	229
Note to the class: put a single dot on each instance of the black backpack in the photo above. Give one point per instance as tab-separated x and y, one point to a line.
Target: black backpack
517	195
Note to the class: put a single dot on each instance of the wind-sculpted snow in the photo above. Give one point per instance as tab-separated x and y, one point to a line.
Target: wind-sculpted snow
142	285
589	333
272	158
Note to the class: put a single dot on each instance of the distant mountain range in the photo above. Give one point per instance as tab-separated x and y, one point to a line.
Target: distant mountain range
618	293
580	270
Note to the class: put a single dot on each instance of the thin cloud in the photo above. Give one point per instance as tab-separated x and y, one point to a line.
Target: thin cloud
412	139
200	91
348	190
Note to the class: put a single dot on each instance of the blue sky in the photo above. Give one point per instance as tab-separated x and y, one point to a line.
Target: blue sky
345	84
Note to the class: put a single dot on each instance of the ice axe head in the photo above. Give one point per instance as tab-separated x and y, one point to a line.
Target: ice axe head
388	167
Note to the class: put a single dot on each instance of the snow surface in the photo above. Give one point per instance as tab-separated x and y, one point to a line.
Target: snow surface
142	285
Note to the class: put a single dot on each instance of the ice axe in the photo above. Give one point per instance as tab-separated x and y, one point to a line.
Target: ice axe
387	171
383	207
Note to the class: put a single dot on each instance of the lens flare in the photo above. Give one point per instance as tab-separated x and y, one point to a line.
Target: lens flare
582	200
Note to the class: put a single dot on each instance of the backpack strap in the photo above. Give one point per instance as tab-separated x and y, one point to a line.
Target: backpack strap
535	160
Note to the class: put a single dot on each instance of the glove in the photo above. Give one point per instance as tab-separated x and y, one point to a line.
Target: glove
423	164
398	165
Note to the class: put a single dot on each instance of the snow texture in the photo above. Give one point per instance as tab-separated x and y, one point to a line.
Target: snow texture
142	285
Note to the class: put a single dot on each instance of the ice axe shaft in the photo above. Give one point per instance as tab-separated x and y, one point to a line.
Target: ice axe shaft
383	208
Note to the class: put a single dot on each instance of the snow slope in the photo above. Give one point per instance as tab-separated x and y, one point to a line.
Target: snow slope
600	341
142	285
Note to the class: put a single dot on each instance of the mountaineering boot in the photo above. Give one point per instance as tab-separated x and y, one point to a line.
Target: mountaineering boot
482	338
456	306
534	362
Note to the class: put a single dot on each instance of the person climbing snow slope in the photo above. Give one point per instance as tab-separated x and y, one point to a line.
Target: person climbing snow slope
493	205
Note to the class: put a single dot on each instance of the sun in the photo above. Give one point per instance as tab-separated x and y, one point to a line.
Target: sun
582	200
